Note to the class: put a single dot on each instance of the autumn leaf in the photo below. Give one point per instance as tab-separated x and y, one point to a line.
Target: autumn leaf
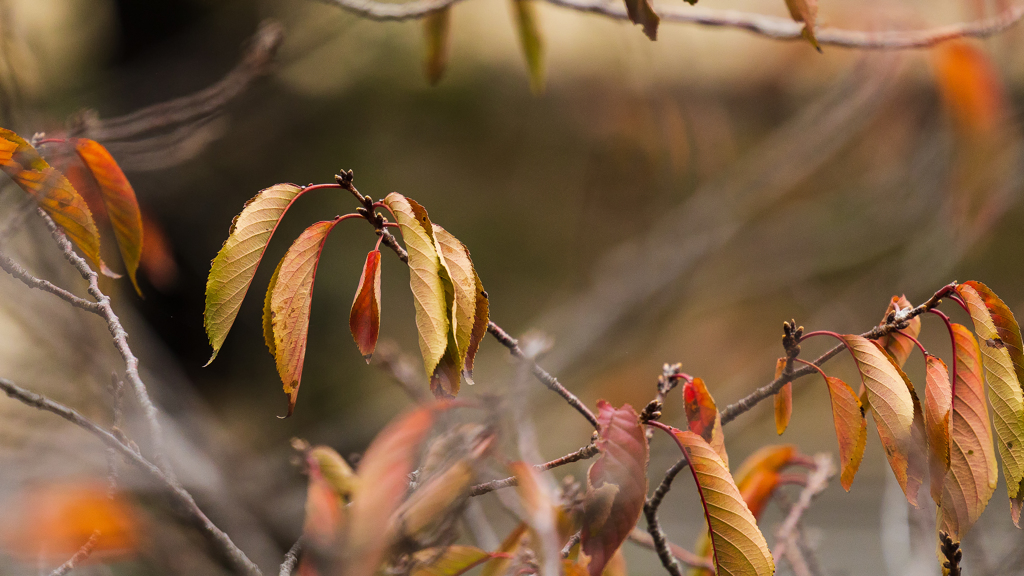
972	476
460	280
425	282
290	304
119	200
385	469
641	12
1005	324
805	11
324	511
450	561
1006	399
851	428
737	544
480	322
891	403
917	457
53	192
783	400
616	484
531	42
437	32
970	86
538	503
897	344
335	471
364	319
235	265
938	402
268	314
703	417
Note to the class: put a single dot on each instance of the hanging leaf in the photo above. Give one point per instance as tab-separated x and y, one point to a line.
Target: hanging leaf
938	402
437	30
783	400
53	192
290	304
384	469
973	473
268	316
364	319
425	282
119	201
538	501
1006	325
805	11
450	561
616	484
703	416
235	265
460	280
851	428
1006	399
971	87
641	12
531	42
917	457
480	322
897	344
890	400
738	545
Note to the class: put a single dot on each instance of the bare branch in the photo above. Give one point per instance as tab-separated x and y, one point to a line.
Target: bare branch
19	272
658	539
291	559
239	560
588	451
817	481
81	556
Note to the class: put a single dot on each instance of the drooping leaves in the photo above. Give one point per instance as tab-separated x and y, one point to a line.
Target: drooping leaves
737	543
617	484
481	318
290	304
1007	401
364	319
805	11
437	36
897	344
53	192
851	428
641	12
235	265
703	417
891	403
783	400
118	199
1005	323
425	282
917	457
938	406
531	42
385	469
450	561
460	280
973	472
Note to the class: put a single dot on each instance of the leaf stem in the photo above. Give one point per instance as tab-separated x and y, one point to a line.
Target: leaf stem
952	343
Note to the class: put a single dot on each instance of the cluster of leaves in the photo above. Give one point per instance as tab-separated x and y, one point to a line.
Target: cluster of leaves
451	303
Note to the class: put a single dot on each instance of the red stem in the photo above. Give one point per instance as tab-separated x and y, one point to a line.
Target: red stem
379	240
914	340
952	343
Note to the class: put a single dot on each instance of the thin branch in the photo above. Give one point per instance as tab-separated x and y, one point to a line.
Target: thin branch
387	11
20	273
291	559
81	556
817	481
644	539
892	324
573	540
239	560
120	337
651	505
588	451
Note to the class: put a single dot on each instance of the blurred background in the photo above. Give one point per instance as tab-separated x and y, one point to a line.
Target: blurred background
672	201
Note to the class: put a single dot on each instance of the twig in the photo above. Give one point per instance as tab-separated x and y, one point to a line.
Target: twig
238	558
950	550
651	505
817	481
17	271
896	322
81	556
291	558
120	337
573	540
644	539
588	451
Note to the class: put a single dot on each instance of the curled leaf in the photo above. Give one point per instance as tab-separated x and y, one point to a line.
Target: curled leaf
703	416
290	304
617	485
437	33
235	265
783	400
364	319
119	200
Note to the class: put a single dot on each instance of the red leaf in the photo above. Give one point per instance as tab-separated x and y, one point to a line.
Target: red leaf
621	473
364	320
703	416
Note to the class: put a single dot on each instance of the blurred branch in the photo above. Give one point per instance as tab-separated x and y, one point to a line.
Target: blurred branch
389	358
588	451
644	539
658	539
817	481
81	556
240	561
291	559
769	26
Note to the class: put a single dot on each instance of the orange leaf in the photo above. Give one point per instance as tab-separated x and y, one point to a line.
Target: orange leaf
783	400
805	11
384	479
290	304
970	87
851	428
157	259
119	200
938	404
53	192
703	416
364	320
324	510
896	344
619	475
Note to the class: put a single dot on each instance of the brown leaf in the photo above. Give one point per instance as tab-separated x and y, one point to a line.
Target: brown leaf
119	200
480	322
364	319
460	294
805	11
290	304
437	33
641	12
622	465
499	564
783	400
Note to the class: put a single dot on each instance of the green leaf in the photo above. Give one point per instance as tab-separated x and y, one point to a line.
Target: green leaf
233	268
531	41
290	304
425	282
437	31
